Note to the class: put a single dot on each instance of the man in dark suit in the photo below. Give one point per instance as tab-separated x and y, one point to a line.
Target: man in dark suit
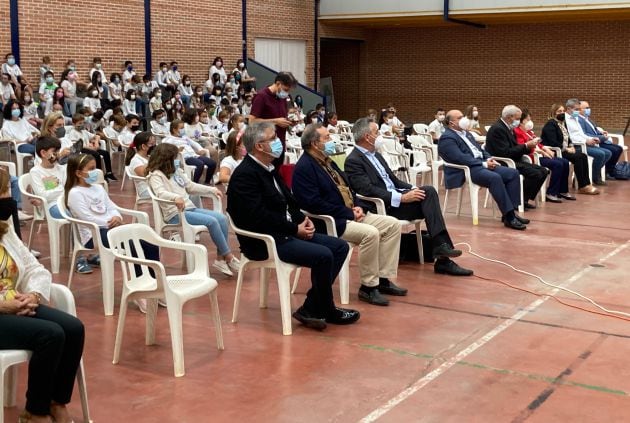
320	187
501	142
590	128
370	175
458	146
259	201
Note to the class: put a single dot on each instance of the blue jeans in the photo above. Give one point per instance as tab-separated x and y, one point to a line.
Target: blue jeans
600	157
27	148
15	192
54	212
215	222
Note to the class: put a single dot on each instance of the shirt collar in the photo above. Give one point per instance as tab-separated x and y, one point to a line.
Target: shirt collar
364	150
268	168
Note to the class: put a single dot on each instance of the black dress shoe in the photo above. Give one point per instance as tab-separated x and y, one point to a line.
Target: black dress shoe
529	206
387	287
449	267
373	296
514	224
342	316
567	196
308	320
445	250
521	219
111	176
610	176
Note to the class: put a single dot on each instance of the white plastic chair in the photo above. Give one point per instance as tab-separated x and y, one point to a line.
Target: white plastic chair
137	179
512	165
397	160
421	128
380	209
112	135
620	142
473	190
187	231
175	289
344	274
105	254
13	147
283	275
62	299
57	239
424	142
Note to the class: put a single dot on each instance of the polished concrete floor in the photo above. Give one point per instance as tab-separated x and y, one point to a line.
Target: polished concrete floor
454	350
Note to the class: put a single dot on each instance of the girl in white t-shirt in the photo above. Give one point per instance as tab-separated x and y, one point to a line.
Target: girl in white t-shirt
137	159
88	200
18	128
129	105
156	101
217	67
69	85
234	154
115	87
92	100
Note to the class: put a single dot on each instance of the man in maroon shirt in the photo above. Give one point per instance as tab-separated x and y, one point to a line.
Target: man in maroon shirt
270	105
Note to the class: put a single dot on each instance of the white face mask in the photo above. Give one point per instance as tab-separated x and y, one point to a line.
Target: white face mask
529	125
475	114
440	118
389	121
464	124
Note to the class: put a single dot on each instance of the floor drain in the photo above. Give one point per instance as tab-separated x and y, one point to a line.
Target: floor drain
597	265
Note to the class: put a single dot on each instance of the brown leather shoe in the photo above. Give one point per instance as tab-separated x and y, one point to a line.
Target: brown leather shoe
588	190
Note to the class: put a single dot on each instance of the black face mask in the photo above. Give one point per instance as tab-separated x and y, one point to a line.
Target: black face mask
150	150
134	128
60	132
560	117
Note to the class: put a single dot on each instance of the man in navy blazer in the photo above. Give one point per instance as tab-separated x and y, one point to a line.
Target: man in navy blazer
369	175
458	146
259	201
590	128
320	187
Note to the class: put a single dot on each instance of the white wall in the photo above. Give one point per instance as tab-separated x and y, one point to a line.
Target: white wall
331	9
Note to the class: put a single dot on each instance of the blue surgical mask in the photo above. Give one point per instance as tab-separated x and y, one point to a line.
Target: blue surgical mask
10	61
587	112
575	113
329	148
176	163
282	94
516	123
15	113
92	177
276	148
182	132
49	80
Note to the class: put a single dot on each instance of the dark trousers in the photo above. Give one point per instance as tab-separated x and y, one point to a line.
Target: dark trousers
199	163
503	183
324	255
8	209
580	167
427	209
534	176
615	152
56	340
559	181
97	154
151	252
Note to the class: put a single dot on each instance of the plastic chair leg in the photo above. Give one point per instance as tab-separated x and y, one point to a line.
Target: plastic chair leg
73	263
85	408
419	242
344	279
474	203
460	192
107	275
54	237
216	316
264	287
152	306
296	279
122	314
10	386
284	287
174	311
239	285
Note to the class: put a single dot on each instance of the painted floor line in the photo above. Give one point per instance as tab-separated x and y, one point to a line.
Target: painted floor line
428	378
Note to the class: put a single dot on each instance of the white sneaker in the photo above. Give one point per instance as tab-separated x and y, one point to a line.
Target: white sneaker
36	253
142	305
235	264
222	267
24	216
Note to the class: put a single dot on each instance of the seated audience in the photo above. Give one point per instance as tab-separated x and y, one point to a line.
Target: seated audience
472	113
48	176
192	153
590	129
91	145
137	159
234	154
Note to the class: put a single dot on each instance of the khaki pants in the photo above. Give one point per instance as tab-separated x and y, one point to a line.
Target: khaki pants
378	238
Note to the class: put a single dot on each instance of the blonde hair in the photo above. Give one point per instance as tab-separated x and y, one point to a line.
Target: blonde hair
50	121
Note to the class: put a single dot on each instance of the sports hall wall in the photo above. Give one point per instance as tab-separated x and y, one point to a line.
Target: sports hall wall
191	32
532	65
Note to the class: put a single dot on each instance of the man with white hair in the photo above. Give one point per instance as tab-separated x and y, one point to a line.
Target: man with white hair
501	142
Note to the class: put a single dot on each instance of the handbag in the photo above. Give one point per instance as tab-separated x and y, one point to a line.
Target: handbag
409	247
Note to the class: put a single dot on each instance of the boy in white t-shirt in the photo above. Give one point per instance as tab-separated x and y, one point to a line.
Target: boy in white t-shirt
48	176
436	128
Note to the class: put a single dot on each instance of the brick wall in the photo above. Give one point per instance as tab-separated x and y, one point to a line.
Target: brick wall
531	65
192	33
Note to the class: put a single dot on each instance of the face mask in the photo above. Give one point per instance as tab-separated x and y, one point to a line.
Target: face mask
282	94
174	68
10	61
187	83
241	65
27	99
314	120
440	118
72	67
378	143
132	97
329	148
52	158
219	64
199	93
241	126
94	93
182	132
177	97
98	66
323	113
134	128
475	114
232	81
49	80
72	76
515	123
176	163
164	70
79	127
15	113
92	177
587	112
529	125
60	132
464	123
116	80
204	120
163	120
168	107
243	151
389	121
276	148
575	113
150	150
129	68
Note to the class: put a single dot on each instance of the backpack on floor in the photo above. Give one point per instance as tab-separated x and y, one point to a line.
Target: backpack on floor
622	171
